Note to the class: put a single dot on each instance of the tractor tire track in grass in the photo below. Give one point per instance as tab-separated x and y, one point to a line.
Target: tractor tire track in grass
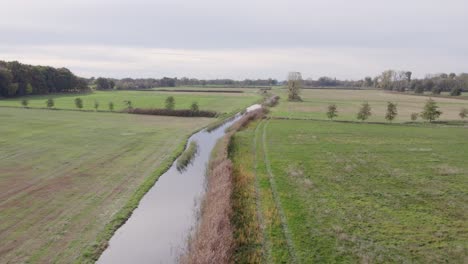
266	243
276	198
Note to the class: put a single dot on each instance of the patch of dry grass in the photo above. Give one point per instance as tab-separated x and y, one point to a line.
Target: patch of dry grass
214	240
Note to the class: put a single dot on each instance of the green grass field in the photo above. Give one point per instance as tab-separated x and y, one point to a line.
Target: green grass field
348	102
64	175
354	193
225	102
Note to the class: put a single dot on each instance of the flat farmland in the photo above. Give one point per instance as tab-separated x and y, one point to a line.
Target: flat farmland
219	102
348	102
331	192
65	174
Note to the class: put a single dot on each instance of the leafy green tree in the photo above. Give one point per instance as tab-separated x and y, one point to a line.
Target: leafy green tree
79	103
24	102
18	79
50	103
103	84
364	112
170	103
463	113
96	105
332	111
13	89
194	107
111	106
29	89
391	111
5	81
414	116
431	111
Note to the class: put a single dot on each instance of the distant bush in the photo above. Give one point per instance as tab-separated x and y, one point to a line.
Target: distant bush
391	111
79	103
463	113
456	91
50	103
364	112
170	103
24	102
96	105
431	111
414	116
332	111
111	106
172	112
272	101
194	107
128	104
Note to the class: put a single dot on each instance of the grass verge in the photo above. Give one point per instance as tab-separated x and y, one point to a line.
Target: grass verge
368	193
92	253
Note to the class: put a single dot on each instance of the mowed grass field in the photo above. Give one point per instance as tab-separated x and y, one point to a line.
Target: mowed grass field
352	193
348	102
219	102
65	174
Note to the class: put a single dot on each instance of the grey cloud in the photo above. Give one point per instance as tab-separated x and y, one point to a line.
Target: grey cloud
435	26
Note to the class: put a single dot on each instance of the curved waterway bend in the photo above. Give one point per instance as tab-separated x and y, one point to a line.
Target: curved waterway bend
159	229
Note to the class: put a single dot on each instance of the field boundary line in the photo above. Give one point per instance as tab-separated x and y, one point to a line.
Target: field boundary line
274	190
406	123
266	243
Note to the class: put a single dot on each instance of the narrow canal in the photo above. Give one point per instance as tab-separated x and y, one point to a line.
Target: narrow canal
158	230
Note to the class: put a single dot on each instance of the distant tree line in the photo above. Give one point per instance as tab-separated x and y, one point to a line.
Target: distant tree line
17	79
325	81
401	81
136	84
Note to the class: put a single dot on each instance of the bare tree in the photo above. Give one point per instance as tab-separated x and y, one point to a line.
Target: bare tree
294	86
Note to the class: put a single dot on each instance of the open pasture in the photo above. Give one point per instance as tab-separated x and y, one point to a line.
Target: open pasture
65	174
219	102
352	193
315	102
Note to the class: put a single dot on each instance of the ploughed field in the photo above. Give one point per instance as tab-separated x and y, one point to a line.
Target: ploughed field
65	174
350	193
219	102
316	101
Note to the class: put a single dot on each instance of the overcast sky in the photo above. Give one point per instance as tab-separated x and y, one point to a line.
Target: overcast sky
237	38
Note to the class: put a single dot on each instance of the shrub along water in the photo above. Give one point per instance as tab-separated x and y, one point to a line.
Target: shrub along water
272	101
188	155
